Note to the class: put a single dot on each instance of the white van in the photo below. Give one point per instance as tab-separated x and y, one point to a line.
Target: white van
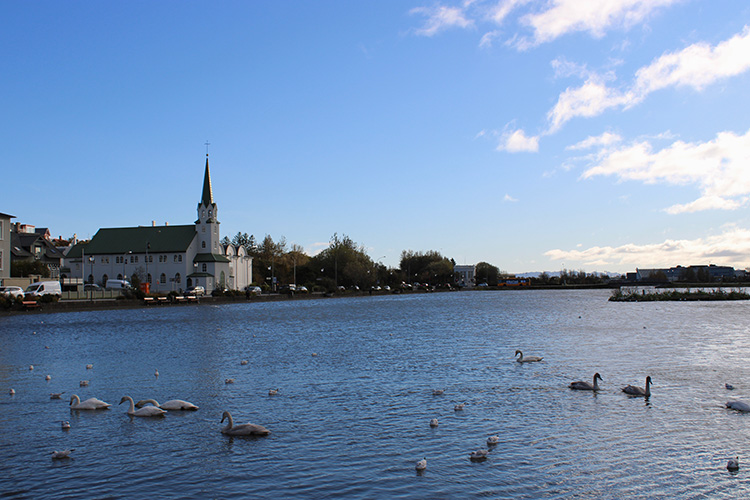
118	285
43	288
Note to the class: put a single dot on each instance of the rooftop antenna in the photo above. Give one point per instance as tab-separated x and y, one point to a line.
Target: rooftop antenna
207	144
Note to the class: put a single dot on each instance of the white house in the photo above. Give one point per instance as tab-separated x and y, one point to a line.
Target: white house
170	258
5	245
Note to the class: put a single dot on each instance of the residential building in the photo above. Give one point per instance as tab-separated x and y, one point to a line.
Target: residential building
5	245
168	257
29	245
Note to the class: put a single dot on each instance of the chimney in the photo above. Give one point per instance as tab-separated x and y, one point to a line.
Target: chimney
153	223
166	223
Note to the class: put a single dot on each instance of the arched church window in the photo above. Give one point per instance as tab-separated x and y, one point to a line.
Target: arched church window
203	244
177	278
163	278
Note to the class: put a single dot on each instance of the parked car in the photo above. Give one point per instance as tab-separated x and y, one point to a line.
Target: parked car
254	290
301	289
41	288
11	291
118	285
91	287
196	290
287	289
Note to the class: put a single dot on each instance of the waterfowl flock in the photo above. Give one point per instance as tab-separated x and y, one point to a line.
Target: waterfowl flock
152	408
147	408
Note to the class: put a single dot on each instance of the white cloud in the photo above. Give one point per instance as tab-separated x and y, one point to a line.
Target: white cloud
606	139
518	142
589	100
440	18
488	39
719	168
731	247
595	17
509	198
502	8
696	66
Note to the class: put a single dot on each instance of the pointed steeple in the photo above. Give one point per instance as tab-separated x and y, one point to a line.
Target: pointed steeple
207	199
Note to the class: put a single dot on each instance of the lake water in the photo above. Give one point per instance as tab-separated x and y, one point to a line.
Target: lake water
353	420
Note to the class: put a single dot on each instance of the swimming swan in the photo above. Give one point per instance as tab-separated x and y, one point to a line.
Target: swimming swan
528	359
478	455
639	391
146	411
242	429
174	404
89	404
493	440
421	465
739	406
585	386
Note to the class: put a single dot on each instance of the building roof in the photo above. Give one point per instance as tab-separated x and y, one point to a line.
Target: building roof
154	239
7	216
210	257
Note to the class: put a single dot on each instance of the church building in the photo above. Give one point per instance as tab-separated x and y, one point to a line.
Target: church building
169	258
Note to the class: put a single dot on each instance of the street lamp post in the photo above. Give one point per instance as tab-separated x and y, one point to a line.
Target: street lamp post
91	259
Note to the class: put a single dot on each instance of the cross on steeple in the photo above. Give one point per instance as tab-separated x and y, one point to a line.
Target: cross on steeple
207	144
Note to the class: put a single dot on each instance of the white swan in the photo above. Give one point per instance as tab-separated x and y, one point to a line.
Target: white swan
421	465
733	464
639	391
585	386
12	391
493	440
242	429
89	404
146	411
173	404
527	359
739	406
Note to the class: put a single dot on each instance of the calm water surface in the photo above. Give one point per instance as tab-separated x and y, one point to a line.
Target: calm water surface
352	420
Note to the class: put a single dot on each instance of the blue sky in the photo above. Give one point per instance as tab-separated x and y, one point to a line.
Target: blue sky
534	135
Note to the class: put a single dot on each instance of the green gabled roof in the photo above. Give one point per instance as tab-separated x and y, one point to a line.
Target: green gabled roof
210	257
158	239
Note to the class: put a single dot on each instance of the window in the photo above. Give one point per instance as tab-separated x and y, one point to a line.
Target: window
2	232
136	259
177	278
163	278
180	258
203	244
204	268
148	278
131	259
1	260
175	258
150	258
104	279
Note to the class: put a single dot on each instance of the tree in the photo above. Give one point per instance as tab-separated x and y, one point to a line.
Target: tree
345	263
486	273
428	267
25	268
